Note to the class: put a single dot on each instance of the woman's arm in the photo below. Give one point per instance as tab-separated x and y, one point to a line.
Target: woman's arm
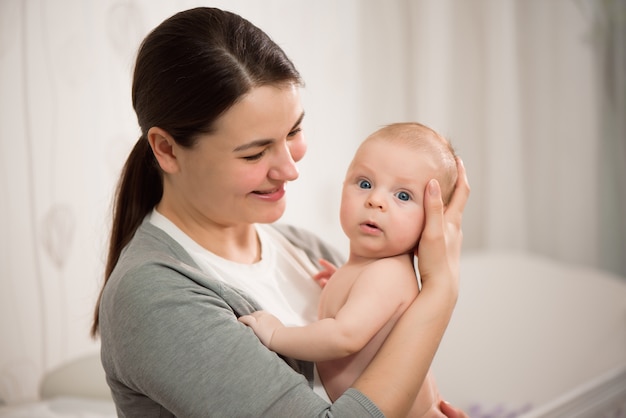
395	375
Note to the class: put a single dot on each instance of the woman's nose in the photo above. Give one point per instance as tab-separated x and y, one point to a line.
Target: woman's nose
284	166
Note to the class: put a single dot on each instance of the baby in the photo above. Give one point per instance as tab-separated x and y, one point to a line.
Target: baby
382	214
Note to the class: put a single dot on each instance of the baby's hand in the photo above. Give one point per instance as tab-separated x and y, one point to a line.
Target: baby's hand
324	275
264	324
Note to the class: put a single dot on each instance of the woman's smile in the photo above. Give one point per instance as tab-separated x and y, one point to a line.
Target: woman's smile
270	195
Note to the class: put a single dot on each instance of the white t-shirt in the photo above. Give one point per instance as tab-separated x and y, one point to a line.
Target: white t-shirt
282	281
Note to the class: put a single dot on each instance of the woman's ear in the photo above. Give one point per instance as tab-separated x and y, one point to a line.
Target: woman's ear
162	145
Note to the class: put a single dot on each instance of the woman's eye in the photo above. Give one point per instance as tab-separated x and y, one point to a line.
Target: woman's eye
364	184
255	156
295	132
403	196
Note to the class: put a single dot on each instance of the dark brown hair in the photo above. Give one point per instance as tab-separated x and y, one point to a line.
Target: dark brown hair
189	70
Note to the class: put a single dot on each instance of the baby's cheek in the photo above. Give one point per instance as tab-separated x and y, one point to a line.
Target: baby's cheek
420	219
297	148
420	225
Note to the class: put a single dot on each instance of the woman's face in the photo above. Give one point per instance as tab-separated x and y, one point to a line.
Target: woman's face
237	174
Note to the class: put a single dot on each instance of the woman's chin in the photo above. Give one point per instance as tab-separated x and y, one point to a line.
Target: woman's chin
269	216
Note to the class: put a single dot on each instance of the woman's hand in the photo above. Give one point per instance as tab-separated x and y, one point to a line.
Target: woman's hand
439	250
451	412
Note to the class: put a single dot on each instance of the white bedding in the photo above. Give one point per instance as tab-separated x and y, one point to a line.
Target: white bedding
63	407
527	331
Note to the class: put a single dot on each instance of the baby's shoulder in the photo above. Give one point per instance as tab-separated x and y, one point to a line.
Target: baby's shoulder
398	268
403	261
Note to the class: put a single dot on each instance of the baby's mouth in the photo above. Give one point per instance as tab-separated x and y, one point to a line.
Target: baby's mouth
370	226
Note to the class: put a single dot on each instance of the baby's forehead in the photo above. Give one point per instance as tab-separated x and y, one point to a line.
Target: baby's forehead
396	159
413	137
429	150
397	144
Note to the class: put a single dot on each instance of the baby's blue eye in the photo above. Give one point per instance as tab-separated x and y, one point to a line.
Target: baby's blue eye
403	196
364	184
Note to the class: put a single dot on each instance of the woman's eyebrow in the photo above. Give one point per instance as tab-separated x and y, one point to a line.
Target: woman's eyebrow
253	144
265	142
299	121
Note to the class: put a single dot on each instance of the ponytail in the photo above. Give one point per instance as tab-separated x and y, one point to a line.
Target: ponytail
139	189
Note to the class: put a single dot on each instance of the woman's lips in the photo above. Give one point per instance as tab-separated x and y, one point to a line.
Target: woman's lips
271	195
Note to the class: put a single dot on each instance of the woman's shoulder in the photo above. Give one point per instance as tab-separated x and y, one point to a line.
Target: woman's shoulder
150	239
154	268
151	259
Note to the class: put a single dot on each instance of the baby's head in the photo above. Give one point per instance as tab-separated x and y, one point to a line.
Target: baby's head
423	139
382	199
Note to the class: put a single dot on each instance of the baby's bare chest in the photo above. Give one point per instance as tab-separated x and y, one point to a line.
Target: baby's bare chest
337	291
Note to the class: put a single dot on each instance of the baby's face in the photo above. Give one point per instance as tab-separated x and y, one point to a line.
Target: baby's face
382	209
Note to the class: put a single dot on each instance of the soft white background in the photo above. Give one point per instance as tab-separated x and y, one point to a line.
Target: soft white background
530	92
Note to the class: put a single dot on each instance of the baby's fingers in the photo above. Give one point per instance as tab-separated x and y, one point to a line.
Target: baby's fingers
327	266
248	320
328	269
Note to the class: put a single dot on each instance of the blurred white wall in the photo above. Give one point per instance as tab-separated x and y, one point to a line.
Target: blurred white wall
518	86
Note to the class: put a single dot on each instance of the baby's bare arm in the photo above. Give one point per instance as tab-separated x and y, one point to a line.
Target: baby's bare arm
383	285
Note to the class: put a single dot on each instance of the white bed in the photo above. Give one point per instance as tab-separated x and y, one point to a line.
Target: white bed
75	390
61	407
530	338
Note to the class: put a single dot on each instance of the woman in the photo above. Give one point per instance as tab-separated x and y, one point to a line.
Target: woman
193	244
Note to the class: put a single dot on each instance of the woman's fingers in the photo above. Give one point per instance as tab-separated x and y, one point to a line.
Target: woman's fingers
451	412
454	214
440	244
434	211
432	246
431	251
454	211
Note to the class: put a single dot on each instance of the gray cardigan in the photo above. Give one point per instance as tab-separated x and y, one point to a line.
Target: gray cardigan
172	345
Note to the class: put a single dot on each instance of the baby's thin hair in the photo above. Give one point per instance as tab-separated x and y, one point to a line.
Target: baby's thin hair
422	137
